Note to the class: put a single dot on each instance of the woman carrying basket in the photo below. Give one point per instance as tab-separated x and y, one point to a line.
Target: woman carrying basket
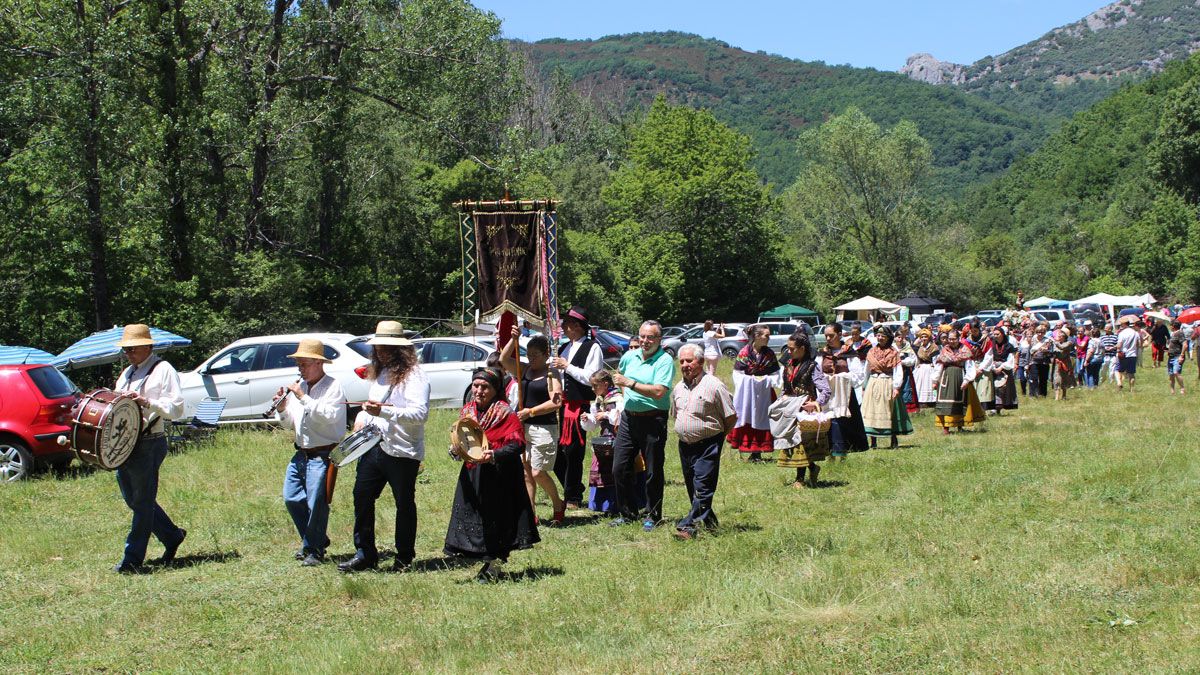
806	388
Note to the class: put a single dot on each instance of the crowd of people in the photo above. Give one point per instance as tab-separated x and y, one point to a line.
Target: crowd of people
537	420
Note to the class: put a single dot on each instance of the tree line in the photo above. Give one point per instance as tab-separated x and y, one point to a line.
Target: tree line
226	168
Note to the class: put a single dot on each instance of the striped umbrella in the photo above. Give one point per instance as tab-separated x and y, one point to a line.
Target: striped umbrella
18	355
101	347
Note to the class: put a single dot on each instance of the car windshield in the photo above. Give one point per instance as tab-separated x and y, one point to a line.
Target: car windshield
52	383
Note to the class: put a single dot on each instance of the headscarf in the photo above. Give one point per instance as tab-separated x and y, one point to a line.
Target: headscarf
925	333
497	420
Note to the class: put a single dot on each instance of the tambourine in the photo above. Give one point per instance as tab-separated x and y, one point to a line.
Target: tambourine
467	440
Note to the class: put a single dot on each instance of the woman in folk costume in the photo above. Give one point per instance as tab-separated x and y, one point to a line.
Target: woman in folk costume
926	350
1004	365
981	354
602	420
754	375
1062	361
806	389
908	360
957	402
857	346
491	515
844	371
884	415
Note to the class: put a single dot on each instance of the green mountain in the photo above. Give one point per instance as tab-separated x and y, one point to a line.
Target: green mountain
1078	64
773	99
1108	202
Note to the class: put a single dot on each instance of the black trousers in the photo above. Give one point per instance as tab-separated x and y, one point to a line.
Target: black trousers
701	464
568	467
647	435
375	470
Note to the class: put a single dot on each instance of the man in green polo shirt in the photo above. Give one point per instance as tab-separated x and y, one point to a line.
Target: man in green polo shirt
646	375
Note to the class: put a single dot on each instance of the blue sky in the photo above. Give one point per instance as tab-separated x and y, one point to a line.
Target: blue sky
868	33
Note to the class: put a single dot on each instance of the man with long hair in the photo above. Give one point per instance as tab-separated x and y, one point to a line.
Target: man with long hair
398	404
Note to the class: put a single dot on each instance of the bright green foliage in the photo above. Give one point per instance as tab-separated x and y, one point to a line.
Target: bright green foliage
1107	197
862	189
687	196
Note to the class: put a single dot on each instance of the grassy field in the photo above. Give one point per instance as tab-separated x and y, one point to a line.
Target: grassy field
1063	538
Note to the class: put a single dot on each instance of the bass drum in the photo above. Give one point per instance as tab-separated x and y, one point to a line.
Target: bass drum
105	429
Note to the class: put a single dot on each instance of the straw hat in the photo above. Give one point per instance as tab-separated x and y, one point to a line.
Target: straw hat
390	333
135	335
310	348
467	437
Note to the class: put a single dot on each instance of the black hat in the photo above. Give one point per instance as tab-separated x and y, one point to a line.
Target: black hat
578	313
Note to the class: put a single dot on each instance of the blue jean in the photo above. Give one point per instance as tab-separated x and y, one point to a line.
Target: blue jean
701	464
1092	373
138	480
304	495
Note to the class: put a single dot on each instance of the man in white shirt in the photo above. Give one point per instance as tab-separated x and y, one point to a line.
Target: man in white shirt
577	360
318	419
154	385
1129	343
398	404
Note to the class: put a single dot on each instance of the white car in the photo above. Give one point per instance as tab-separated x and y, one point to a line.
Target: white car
448	363
247	373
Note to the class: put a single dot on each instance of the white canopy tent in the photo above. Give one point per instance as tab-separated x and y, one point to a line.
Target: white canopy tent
1042	302
1109	300
1112	302
867	305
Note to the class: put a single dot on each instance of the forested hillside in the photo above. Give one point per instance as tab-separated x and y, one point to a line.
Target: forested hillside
772	99
1109	202
226	169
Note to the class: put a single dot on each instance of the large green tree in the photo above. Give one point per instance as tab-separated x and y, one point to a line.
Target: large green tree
862	191
687	199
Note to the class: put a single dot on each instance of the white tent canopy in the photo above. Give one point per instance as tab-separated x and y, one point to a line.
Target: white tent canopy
1043	301
1109	300
867	305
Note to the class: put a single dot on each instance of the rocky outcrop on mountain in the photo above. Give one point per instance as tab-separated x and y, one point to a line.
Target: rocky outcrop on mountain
1128	37
925	68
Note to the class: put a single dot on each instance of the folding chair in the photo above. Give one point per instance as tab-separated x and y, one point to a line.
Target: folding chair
203	423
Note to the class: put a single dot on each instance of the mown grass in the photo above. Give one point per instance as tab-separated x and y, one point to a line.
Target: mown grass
1063	538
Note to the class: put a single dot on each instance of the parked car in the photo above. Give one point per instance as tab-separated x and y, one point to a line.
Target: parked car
448	363
935	320
984	314
673	331
35	410
735	339
613	345
1053	315
247	373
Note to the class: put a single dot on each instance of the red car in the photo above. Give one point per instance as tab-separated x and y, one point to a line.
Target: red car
35	409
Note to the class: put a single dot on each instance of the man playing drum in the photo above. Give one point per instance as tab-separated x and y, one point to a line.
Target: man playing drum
318	419
154	385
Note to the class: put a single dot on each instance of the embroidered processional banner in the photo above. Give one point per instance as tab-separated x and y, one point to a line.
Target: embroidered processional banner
510	262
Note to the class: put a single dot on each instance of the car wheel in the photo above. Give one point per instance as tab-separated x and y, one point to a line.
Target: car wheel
730	352
670	352
16	462
467	395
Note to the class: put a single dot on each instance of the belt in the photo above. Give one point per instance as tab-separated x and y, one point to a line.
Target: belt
317	450
646	413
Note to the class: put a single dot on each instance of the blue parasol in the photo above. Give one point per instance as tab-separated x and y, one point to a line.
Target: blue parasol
101	347
10	355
